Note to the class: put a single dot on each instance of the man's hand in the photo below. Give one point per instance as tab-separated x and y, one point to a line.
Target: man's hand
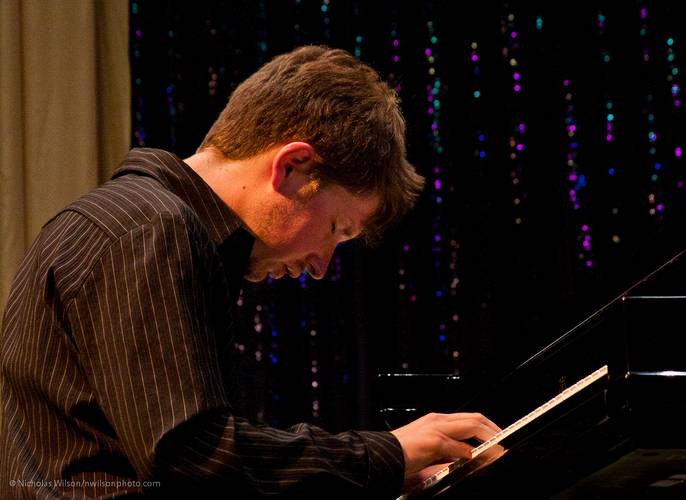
437	438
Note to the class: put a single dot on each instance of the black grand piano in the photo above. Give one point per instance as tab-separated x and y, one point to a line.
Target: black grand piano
623	437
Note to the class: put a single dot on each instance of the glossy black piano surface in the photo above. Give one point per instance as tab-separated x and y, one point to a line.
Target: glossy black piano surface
623	437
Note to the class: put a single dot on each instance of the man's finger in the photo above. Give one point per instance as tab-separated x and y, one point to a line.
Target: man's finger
467	428
474	416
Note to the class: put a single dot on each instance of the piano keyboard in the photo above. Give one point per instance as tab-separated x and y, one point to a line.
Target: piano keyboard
511	429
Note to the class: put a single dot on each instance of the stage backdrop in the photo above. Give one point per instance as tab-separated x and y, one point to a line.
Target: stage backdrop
552	139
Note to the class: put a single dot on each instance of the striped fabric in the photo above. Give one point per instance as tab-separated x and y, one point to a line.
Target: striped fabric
115	352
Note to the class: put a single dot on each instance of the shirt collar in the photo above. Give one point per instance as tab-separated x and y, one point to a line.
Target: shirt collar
177	176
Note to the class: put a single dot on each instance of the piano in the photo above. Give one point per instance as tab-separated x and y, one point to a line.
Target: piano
623	437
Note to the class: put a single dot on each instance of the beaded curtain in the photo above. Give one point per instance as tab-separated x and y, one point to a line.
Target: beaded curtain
552	142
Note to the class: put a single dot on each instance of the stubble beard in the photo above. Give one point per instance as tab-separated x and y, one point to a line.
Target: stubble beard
269	229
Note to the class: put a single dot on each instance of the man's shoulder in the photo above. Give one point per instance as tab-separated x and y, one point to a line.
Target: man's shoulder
83	231
130	201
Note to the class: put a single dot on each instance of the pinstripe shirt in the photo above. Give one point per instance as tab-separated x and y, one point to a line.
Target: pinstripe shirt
115	352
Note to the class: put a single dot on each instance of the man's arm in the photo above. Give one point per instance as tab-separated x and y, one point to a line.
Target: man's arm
303	462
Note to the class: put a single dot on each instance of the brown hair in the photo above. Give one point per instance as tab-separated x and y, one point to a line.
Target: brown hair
338	105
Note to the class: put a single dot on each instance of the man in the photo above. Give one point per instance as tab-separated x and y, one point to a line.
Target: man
116	332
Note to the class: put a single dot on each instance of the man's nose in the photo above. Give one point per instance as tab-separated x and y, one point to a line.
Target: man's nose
321	262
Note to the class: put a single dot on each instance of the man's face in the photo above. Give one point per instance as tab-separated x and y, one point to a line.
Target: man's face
300	235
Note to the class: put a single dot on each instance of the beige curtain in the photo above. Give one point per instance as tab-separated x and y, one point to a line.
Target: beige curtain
64	111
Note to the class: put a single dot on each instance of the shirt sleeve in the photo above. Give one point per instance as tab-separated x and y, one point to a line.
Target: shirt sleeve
146	328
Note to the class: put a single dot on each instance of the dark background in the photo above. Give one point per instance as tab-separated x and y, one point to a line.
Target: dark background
471	282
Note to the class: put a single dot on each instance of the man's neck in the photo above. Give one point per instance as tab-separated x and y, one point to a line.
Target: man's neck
236	182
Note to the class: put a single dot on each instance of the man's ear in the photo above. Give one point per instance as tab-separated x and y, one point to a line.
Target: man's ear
291	167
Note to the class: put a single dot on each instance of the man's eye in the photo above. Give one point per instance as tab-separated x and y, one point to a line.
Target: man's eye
333	227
